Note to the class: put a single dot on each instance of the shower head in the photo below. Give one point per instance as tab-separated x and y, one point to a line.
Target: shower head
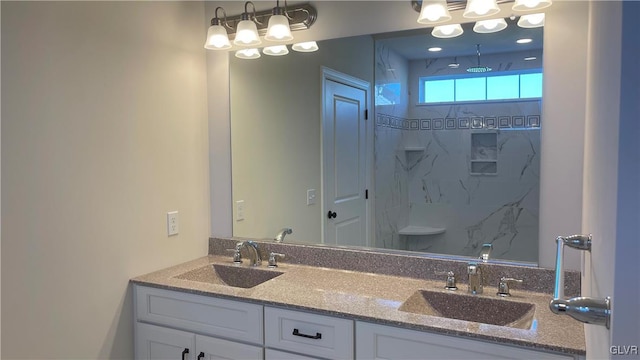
479	68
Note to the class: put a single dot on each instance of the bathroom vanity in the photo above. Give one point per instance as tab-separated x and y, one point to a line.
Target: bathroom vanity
212	308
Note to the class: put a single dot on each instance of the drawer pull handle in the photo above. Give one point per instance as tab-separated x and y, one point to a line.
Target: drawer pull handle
316	336
184	352
201	355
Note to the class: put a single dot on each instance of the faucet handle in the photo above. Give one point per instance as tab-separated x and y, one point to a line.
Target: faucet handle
451	279
237	257
272	259
504	283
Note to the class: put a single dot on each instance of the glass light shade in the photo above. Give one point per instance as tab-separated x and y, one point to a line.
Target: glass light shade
248	54
433	12
480	8
447	31
490	26
278	29
217	38
247	34
277	50
309	46
527	5
531	20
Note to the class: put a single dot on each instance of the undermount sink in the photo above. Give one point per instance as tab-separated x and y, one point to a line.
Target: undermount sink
494	311
236	276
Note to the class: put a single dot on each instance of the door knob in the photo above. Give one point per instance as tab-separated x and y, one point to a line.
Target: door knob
332	214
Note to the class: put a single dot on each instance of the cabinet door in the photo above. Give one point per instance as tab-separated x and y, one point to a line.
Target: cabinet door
208	348
155	343
271	354
387	342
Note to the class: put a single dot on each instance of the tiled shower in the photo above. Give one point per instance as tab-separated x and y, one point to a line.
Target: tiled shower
471	169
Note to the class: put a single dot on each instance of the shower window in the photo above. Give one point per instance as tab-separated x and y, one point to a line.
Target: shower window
500	86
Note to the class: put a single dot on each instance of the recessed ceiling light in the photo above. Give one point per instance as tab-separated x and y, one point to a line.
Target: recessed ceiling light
435	49
523	41
529	58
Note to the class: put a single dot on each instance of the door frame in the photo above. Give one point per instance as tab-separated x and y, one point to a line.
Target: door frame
345	79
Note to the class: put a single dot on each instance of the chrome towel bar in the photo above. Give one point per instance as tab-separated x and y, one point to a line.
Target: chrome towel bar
585	309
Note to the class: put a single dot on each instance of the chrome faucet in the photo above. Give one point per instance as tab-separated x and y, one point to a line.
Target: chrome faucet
254	253
282	233
475	270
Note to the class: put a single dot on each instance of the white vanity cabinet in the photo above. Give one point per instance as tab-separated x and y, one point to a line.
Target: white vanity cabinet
182	326
387	342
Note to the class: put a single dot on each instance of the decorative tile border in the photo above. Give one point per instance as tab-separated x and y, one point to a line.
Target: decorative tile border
461	123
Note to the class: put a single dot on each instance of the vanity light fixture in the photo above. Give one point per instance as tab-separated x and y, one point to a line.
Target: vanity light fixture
480	8
527	5
278	29
490	26
308	46
434	12
438	11
217	38
249	26
277	50
247	31
531	21
447	31
248	54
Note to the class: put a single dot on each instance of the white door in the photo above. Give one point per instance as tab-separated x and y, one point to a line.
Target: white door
156	343
344	162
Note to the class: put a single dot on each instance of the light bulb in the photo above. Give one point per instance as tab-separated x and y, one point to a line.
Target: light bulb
248	54
531	20
308	46
217	38
480	8
434	11
247	34
277	50
278	29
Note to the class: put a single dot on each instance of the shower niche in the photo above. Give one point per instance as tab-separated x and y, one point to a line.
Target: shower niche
484	153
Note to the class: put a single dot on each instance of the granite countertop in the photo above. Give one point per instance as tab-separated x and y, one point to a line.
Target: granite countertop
376	298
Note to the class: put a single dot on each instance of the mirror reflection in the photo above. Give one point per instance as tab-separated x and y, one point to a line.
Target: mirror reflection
451	152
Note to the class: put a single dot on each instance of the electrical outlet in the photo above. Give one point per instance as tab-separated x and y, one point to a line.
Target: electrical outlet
311	196
172	223
239	210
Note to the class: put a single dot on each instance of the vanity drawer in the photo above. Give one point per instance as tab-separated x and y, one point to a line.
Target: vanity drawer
230	319
309	334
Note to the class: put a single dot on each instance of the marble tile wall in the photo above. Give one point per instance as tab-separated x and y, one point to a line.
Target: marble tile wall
424	178
427	172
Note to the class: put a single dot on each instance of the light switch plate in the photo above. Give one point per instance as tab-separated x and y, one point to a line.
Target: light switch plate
239	210
311	196
172	223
